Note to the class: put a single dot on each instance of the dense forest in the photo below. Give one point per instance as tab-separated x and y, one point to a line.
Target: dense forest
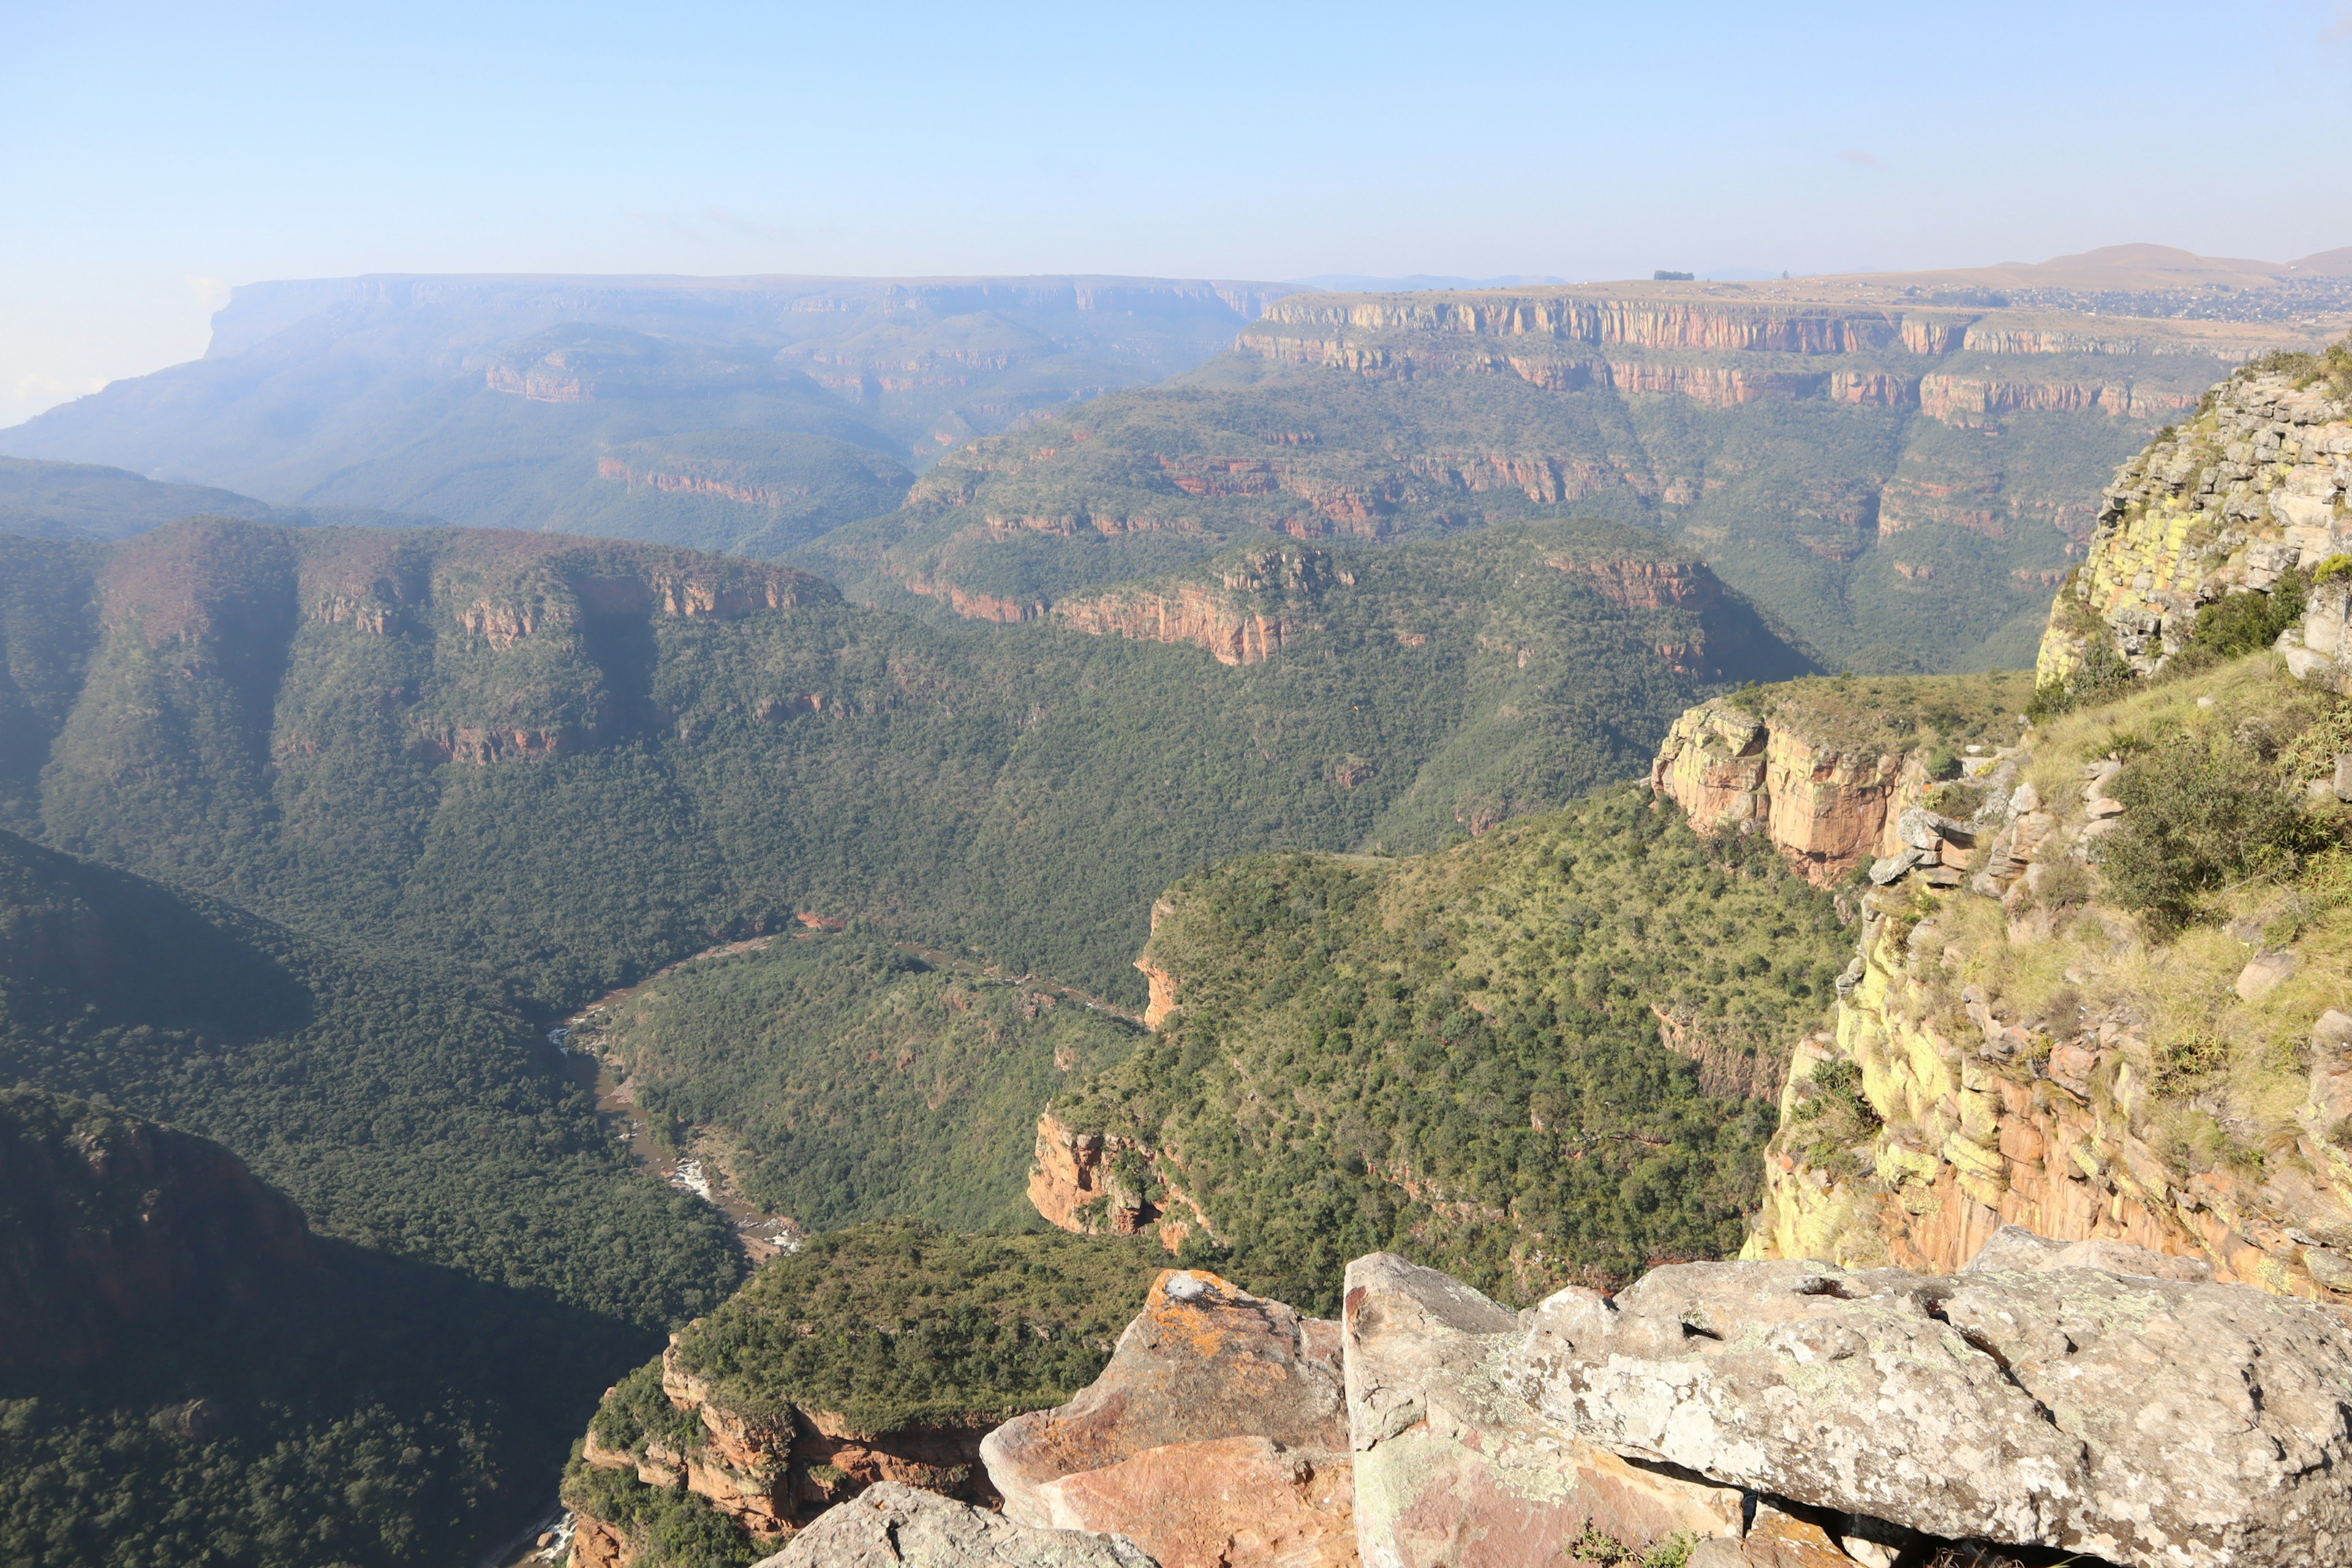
553	765
838	1078
487	1259
1459	1058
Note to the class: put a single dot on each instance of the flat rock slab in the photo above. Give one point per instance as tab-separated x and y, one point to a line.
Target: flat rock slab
1217	1436
1454	1469
2158	1423
1224	1502
892	1525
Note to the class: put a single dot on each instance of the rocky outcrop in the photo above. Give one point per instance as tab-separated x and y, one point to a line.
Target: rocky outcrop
1259	600
1828	809
1454	1468
2251	486
894	1526
1093	1183
1216	1438
107	1220
2153	1422
1939	1109
771	1469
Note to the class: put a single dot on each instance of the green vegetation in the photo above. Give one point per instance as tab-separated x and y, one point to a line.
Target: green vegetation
2202	809
1887	541
1459	1058
491	1259
886	1326
1021	792
840	1080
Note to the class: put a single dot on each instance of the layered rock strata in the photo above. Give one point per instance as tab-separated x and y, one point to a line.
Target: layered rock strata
1216	1438
1829	809
1984	1113
1093	1184
2252	485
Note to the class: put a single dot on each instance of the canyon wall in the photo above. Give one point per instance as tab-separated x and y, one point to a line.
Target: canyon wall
107	1220
2251	486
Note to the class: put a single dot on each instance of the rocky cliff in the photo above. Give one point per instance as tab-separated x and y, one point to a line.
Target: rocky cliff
881	1353
2063	1015
107	1220
1713	1414
1826	769
2247	494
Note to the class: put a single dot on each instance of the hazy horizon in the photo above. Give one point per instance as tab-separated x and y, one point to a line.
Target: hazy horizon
163	160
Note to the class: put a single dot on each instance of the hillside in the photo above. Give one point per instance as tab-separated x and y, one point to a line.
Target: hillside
555	766
84	501
836	1079
1531	1058
722	414
882	1351
487	1259
2126	1015
1898	480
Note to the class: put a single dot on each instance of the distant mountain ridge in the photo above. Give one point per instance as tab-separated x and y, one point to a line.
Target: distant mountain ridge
498	401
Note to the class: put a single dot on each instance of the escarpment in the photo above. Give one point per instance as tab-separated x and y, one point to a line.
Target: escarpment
2247	495
109	1221
1826	769
2061	1016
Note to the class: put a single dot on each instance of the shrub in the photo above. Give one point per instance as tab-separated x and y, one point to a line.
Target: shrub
2200	810
2244	623
2104	674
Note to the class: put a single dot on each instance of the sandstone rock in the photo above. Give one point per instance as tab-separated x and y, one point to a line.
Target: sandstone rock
2264	973
1223	1503
1454	1469
2343	779
2152	1423
2113	1257
1217	1434
894	1526
1923	829
2013	1246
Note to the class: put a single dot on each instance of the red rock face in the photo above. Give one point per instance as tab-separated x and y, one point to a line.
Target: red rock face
115	1221
1216	1438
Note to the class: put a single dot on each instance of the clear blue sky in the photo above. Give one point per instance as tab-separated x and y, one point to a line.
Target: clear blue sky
152	155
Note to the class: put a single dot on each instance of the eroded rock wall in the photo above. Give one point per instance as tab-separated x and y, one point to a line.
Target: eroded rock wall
1828	809
2252	485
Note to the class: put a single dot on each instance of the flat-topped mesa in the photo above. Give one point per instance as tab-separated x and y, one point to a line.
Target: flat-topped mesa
2250	494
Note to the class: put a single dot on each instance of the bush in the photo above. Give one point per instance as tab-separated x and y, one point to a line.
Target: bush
2244	623
2103	675
2200	810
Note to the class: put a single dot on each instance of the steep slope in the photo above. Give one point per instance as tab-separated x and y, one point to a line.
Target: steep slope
1896	479
486	1259
884	1351
2126	1019
2217	529
107	1221
558	765
836	1079
544	402
1530	1057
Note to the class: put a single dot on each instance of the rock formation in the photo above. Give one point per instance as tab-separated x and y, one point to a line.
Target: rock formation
1454	1468
1937	1110
2248	488
896	1526
107	1220
1216	1438
2148	1422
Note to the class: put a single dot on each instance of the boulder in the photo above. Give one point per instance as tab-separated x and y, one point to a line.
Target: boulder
896	1526
1217	1434
1924	829
1452	1467
2264	973
2013	1248
2155	1422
